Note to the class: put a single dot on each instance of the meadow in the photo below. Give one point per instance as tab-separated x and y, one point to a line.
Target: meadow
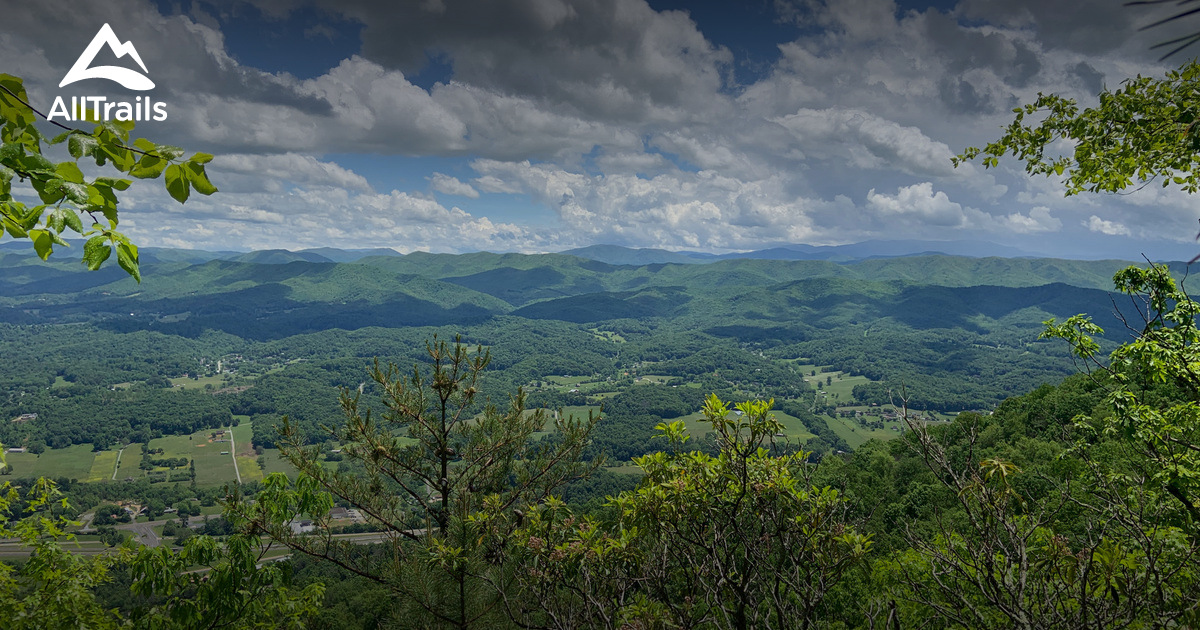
212	456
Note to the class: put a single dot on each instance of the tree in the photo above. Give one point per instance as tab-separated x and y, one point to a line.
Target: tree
67	197
55	588
1148	129
1095	552
421	470
1117	544
1153	387
739	539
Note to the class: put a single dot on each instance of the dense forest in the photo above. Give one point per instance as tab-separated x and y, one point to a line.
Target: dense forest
288	334
598	521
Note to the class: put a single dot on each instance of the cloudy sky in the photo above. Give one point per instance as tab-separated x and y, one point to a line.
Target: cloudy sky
541	125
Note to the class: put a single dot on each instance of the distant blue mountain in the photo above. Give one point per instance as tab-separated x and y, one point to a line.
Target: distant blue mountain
618	255
349	255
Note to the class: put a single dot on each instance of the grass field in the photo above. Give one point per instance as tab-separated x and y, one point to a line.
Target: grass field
102	466
625	469
73	462
566	383
793	428
212	468
130	460
247	459
186	382
274	462
855	435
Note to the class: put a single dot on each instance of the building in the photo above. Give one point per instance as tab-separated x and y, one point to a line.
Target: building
301	526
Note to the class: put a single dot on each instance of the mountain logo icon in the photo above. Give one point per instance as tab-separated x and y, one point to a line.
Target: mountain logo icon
130	79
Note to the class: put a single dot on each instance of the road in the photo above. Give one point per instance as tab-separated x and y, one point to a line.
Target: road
117	466
233	454
143	533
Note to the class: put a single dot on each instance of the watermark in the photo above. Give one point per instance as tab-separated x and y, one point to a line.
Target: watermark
100	107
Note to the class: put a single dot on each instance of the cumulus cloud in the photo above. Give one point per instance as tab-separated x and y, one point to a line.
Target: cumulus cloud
703	209
867	141
267	170
446	184
623	120
918	202
1112	228
1038	220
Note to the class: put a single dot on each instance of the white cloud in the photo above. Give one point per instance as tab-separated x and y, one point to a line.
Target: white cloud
448	185
625	121
918	202
1112	228
1038	220
291	167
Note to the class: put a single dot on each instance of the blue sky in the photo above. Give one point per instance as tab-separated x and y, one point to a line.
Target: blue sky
541	125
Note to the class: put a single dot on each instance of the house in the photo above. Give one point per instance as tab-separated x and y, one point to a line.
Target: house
25	417
17	449
301	527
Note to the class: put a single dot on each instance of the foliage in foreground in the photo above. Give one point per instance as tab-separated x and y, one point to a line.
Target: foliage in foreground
67	196
209	584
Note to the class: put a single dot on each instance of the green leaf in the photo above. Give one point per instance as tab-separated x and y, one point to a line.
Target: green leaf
42	243
169	152
11	151
198	178
113	182
101	196
70	172
62	218
81	144
177	183
49	190
77	193
95	251
149	167
56	221
201	158
32	162
121	157
14	228
144	144
127	258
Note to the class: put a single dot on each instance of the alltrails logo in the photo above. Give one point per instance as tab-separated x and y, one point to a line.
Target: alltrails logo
141	109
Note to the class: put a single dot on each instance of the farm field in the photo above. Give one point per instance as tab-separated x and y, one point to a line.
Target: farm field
247	459
212	468
187	382
73	462
274	462
794	429
130	460
102	466
855	435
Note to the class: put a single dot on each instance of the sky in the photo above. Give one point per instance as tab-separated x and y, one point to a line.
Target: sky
543	125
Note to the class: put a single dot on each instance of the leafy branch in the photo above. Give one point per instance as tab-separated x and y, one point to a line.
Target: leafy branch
66	195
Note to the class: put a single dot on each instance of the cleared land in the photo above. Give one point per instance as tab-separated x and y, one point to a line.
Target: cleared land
102	466
187	382
247	459
793	428
73	462
855	435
